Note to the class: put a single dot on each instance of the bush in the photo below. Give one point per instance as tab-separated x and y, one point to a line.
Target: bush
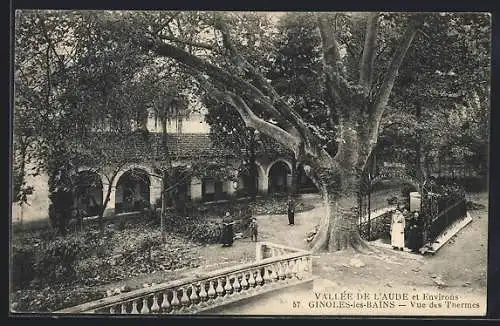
56	262
196	229
380	228
23	265
147	243
406	189
470	184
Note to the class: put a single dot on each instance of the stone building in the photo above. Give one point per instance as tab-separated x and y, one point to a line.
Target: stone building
137	184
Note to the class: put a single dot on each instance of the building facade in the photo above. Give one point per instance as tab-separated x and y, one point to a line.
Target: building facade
138	184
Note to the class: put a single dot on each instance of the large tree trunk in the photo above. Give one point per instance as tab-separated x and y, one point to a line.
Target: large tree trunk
338	228
338	180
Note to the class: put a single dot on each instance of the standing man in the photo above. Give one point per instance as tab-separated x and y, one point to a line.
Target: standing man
291	205
254	229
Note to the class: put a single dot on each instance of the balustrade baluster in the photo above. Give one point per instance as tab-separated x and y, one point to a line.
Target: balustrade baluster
244	283
194	297
281	272
211	291
175	303
303	266
267	274
112	309
300	268
203	292
145	309
274	275
219	289
184	298
228	287
155	307
251	280
134	307
289	269
295	268
165	305
259	279
236	284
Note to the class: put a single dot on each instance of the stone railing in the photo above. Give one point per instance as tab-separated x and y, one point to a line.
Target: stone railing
275	267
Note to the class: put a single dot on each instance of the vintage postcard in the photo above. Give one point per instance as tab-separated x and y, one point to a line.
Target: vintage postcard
250	163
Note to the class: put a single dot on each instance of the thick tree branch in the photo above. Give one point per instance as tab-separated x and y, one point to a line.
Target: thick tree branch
220	75
263	84
331	52
251	120
335	84
166	23
369	50
286	117
382	98
249	117
188	42
392	71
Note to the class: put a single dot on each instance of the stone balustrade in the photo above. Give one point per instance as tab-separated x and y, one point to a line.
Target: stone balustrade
275	267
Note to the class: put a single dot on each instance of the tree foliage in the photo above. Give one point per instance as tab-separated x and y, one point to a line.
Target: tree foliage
318	84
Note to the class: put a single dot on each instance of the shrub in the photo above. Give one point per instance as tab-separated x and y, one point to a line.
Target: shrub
406	189
120	223
470	184
57	260
196	229
147	243
23	265
380	228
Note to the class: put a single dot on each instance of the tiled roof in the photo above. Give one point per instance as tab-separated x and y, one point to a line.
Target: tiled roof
192	145
180	146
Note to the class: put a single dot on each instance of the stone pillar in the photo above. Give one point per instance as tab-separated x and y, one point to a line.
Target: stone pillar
415	201
263	184
195	189
259	248
289	181
154	190
228	188
110	207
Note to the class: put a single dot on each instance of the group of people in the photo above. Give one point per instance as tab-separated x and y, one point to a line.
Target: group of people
227	236
403	223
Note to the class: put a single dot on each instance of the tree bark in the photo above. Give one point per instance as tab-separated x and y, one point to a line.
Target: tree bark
369	50
106	199
339	184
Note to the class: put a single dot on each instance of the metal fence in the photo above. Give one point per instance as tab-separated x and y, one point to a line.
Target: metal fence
445	218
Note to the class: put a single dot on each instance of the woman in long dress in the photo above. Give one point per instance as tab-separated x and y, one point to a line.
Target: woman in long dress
398	230
227	230
416	237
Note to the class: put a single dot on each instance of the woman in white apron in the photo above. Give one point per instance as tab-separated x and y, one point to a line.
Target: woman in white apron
398	230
